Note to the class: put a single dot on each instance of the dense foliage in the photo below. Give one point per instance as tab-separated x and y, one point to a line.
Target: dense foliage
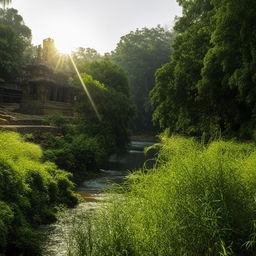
30	191
112	110
208	84
198	200
10	17
140	53
15	44
84	55
10	53
75	150
107	73
101	124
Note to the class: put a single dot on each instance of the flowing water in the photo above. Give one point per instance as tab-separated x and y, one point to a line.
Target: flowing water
92	191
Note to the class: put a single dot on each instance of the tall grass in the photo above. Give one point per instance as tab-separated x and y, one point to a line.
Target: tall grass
197	200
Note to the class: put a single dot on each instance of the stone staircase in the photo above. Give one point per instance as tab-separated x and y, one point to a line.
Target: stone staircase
12	120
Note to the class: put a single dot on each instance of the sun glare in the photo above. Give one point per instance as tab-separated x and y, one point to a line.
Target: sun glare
85	89
64	45
64	35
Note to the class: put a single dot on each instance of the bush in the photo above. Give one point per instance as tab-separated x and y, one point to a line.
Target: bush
6	217
197	200
30	190
85	142
78	155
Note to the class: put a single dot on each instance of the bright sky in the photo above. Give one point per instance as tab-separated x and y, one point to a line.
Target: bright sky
97	24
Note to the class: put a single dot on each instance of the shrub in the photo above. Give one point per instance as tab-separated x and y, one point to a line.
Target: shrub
30	190
78	155
6	217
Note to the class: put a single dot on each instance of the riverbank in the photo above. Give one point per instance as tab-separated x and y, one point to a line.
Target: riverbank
198	200
30	191
93	194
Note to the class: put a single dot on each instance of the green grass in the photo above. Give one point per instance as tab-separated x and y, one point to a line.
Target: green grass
197	200
30	191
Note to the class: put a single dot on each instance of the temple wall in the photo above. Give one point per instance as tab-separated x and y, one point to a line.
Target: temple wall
40	99
10	93
35	107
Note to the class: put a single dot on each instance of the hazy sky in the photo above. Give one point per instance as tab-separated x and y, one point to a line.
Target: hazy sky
98	24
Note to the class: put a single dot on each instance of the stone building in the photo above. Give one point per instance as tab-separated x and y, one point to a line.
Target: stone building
10	92
43	88
46	91
49	55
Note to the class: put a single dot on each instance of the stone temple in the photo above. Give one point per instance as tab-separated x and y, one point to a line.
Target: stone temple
43	89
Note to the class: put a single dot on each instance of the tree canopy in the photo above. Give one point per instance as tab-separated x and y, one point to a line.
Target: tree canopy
15	43
10	17
11	52
107	73
208	85
140	53
83	55
109	118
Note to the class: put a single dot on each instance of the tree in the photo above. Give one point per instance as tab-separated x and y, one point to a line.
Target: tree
115	110
208	86
107	73
83	55
11	19
11	50
175	96
228	75
100	128
140	53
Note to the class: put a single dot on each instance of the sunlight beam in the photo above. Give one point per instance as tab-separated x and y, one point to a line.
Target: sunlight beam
58	63
85	89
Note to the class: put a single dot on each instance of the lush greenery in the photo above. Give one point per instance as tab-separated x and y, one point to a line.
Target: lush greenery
101	125
108	73
197	200
15	44
75	150
208	84
10	17
83	55
140	53
30	191
10	52
110	115
31	182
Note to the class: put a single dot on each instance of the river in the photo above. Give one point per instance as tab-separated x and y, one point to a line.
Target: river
92	191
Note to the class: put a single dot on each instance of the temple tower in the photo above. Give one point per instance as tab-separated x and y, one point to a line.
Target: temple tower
49	52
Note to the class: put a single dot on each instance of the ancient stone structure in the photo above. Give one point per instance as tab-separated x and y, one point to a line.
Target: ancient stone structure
45	92
43	89
48	55
10	92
